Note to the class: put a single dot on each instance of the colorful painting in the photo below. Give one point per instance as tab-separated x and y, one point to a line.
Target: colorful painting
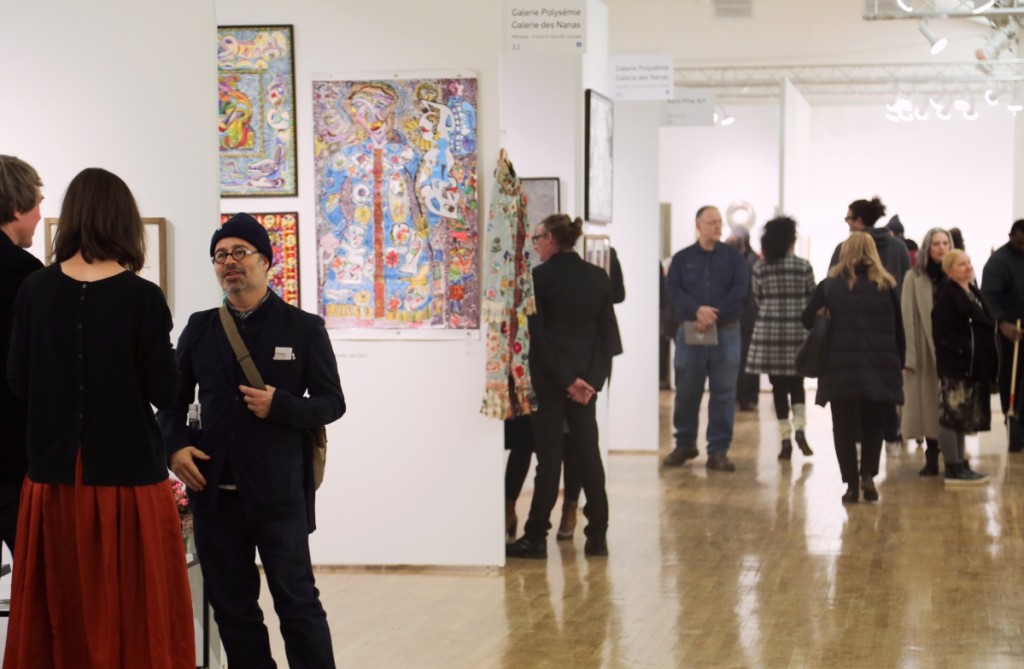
284	239
396	194
256	107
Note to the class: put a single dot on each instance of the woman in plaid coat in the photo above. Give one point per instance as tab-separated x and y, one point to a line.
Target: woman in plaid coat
782	284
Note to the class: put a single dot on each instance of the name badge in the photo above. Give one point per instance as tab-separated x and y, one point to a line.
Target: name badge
283	353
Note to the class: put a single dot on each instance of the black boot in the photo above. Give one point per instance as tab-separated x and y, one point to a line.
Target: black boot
931	463
801	441
787	450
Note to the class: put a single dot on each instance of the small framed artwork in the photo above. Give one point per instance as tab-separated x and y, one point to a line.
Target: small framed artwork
283	228
256	111
543	198
597	250
597	195
154	270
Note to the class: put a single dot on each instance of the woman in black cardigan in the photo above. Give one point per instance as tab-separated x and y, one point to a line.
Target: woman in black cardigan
863	374
99	576
967	360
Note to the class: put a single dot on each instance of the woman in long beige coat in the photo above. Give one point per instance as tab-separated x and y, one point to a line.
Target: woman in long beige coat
920	380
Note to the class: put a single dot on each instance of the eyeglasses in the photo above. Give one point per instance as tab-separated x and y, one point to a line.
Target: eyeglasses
849	219
239	254
539	236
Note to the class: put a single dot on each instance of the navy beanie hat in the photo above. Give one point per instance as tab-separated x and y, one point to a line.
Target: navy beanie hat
895	224
248	228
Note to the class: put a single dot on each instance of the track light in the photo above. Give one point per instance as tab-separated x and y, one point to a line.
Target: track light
905	6
921	112
963	102
982	6
943	114
1003	38
938	43
991	97
971	114
723	118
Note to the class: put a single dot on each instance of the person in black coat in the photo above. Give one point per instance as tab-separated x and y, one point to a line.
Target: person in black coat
865	355
1002	282
20	197
249	465
573	337
967	361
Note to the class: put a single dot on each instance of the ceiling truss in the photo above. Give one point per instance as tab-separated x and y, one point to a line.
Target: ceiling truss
837	84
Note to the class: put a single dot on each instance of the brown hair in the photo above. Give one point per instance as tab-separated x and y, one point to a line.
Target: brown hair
564	230
19	188
100	219
860	251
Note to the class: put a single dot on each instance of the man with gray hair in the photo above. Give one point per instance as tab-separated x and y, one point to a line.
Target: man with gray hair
20	197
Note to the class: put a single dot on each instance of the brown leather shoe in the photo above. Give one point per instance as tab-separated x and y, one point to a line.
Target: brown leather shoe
721	462
679	456
568	524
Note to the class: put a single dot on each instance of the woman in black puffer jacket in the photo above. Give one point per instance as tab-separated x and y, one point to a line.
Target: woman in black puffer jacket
863	374
967	360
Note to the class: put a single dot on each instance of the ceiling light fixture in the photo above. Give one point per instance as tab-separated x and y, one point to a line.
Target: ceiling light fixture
1003	38
971	114
943	114
937	43
921	112
905	6
963	101
982	6
991	97
722	117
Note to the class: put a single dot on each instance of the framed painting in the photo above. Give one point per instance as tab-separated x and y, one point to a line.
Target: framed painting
597	250
283	228
256	111
543	198
597	196
396	202
154	270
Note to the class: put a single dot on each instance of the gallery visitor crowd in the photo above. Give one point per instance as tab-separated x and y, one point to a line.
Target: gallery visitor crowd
920	345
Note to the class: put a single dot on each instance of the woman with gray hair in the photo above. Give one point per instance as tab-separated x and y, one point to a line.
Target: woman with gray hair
920	379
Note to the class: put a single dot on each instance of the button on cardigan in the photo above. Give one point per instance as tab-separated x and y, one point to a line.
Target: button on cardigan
90	358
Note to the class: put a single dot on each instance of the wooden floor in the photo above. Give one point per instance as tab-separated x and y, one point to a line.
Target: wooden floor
758	568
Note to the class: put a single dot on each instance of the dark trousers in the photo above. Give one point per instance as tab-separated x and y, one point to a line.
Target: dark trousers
851	418
748	386
10	494
786	391
572	476
664	361
549	441
226	544
1005	376
519	443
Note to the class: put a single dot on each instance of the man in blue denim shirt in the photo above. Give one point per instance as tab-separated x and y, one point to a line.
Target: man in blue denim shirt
707	283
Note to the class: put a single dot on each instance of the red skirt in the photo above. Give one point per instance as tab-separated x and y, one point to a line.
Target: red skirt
99	580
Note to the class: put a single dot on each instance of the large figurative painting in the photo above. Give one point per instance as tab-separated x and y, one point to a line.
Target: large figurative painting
598	181
396	194
256	104
283	229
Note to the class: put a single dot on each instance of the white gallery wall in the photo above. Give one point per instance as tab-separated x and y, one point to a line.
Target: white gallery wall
953	173
414	473
128	98
717	166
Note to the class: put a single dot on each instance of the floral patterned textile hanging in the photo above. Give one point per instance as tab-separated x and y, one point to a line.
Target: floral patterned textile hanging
507	300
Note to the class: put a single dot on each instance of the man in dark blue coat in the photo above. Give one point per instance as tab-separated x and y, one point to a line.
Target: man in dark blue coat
248	463
707	283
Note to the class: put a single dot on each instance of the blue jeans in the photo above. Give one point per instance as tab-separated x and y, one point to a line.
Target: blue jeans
719	365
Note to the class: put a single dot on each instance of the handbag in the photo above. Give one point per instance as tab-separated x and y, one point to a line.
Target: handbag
316	437
813	352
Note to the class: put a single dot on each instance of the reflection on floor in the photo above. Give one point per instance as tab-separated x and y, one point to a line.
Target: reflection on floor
758	568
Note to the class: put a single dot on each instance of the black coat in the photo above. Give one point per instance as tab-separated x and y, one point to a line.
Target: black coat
15	264
866	347
964	335
574	333
293	353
